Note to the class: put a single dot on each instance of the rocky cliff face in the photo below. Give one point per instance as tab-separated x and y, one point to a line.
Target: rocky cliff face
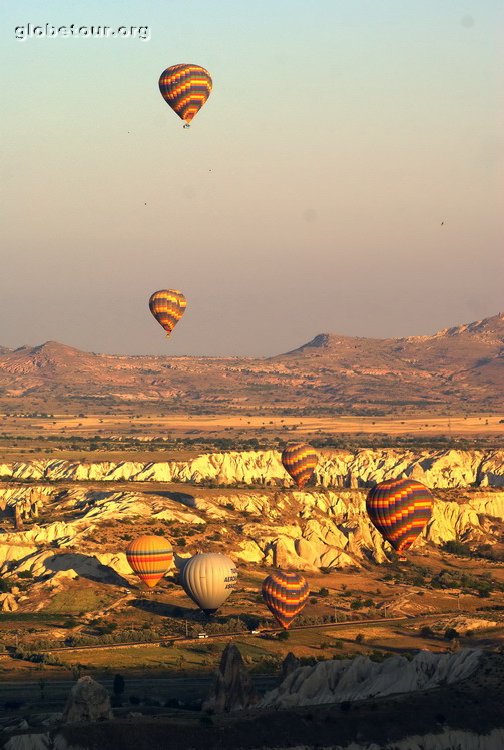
88	701
337	469
232	689
361	678
446	740
300	530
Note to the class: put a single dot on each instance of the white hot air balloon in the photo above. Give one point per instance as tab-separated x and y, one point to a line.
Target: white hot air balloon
208	579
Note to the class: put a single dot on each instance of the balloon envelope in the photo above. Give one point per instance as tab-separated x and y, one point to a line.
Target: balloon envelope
300	461
150	557
167	306
208	579
400	509
285	595
185	88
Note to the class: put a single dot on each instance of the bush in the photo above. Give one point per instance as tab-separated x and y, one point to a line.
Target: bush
456	548
427	632
118	685
450	634
360	638
284	635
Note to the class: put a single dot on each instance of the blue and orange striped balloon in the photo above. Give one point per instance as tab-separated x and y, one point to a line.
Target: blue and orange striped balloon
400	509
285	595
150	557
185	88
300	461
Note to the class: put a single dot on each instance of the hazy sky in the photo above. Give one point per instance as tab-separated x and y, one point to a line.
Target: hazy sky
306	197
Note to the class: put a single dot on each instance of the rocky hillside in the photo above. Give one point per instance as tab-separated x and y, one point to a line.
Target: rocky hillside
319	528
361	678
458	368
338	468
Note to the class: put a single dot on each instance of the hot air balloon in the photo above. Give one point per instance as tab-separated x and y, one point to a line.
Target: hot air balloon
185	88
167	306
208	579
150	557
285	595
300	461
400	510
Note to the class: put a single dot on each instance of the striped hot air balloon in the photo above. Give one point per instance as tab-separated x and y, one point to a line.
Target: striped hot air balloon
400	509
150	557
300	461
185	88
167	306
285	595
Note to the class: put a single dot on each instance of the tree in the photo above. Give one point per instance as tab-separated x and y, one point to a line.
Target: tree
450	634
118	685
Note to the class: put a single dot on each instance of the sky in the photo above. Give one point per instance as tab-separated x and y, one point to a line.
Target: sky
346	174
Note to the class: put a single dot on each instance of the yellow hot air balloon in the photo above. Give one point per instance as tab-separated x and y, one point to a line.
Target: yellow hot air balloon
300	461
167	306
150	557
185	88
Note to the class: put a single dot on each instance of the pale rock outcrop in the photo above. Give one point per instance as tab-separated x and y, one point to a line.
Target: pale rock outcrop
8	603
289	665
285	556
361	678
29	742
340	469
249	551
10	553
37	535
48	564
232	689
462	623
88	702
448	739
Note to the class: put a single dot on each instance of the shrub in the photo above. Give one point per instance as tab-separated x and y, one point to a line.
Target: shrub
284	635
118	685
450	634
456	548
427	632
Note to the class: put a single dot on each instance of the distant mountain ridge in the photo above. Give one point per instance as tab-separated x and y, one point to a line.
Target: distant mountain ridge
461	367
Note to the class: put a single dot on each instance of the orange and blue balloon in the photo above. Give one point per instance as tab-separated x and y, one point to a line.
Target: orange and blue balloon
285	595
300	461
185	88
167	306
400	509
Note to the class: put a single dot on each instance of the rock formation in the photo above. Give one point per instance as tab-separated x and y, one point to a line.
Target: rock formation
337	468
289	665
88	701
361	678
29	742
232	689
